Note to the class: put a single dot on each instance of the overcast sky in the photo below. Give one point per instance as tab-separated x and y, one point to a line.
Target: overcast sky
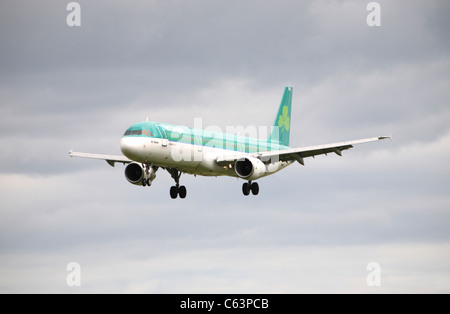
311	229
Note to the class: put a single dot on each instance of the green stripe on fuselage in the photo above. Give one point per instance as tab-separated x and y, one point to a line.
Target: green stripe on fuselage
182	134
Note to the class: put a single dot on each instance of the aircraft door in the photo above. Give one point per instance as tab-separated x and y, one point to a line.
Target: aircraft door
164	140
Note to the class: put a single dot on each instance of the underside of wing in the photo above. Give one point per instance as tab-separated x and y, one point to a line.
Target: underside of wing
299	154
110	159
230	159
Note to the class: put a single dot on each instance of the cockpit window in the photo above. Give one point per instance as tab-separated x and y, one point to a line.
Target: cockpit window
138	132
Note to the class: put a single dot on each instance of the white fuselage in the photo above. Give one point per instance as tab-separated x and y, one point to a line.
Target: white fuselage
189	158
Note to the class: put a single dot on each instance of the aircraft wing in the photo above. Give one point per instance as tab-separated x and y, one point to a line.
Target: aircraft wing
110	159
299	154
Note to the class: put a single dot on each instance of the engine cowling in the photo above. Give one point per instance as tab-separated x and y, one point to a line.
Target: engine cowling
250	168
134	173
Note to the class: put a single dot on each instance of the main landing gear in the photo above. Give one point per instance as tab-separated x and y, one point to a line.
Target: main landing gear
150	174
249	186
177	190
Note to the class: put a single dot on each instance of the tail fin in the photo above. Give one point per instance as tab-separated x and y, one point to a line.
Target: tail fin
282	124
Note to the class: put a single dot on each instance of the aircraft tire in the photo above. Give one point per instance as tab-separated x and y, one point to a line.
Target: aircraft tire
182	191
173	192
246	189
255	188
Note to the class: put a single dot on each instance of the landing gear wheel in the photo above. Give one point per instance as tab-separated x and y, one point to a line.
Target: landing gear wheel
255	188
173	192
182	191
176	190
246	189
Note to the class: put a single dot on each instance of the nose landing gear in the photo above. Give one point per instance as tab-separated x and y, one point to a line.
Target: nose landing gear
149	174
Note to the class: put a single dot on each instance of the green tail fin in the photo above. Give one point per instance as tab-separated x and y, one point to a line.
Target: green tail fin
282	124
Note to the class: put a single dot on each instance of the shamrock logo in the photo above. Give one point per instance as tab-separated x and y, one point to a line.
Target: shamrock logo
283	120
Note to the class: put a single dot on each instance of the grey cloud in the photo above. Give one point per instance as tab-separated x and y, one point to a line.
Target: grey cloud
312	228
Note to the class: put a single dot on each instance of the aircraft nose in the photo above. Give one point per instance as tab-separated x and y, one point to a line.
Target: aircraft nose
128	147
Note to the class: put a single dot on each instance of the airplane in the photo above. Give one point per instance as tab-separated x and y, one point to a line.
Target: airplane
148	146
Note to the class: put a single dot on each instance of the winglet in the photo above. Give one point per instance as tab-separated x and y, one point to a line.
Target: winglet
385	137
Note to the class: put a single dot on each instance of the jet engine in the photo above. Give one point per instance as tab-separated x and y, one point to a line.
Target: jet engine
136	174
250	168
